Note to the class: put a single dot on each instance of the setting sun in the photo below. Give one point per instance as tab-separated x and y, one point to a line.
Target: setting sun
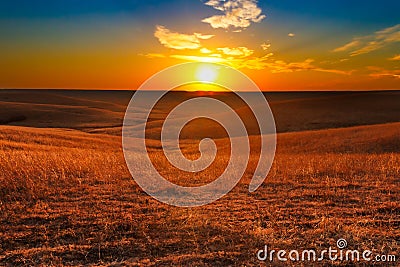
207	74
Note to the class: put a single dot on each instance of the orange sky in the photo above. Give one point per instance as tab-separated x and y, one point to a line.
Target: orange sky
277	48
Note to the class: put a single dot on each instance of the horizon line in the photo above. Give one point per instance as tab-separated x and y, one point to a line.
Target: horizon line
194	91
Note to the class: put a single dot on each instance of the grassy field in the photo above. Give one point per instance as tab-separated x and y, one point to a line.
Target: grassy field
67	197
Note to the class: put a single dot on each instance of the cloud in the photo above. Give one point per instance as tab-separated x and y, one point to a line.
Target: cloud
378	72
255	63
203	36
348	46
262	63
153	55
390	74
265	46
205	50
238	14
211	59
395	58
373	42
387	74
238	51
291	34
179	41
280	66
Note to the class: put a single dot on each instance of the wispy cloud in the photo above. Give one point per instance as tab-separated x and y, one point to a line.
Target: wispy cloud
238	14
265	46
281	66
179	41
254	63
348	46
395	58
373	42
378	72
153	55
237	51
211	59
262	63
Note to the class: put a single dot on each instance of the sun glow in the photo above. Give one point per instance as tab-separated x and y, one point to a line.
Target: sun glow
201	87
207	74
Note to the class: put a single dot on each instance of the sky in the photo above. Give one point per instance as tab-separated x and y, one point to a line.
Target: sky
282	45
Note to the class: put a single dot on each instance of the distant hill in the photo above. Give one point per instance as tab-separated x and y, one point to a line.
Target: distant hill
103	111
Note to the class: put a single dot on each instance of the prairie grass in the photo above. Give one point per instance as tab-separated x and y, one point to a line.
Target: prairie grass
67	198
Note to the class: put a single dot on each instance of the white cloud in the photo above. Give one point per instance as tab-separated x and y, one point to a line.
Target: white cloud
179	41
373	42
238	14
237	51
203	36
205	50
265	46
291	34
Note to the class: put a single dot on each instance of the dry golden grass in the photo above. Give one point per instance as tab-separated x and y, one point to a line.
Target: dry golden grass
67	198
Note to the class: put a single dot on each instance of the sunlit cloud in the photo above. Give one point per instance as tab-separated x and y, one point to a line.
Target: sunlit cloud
255	63
280	66
205	50
237	51
179	41
265	46
203	36
373	42
378	72
395	58
216	55
153	55
291	34
209	59
389	74
348	46
261	63
238	14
